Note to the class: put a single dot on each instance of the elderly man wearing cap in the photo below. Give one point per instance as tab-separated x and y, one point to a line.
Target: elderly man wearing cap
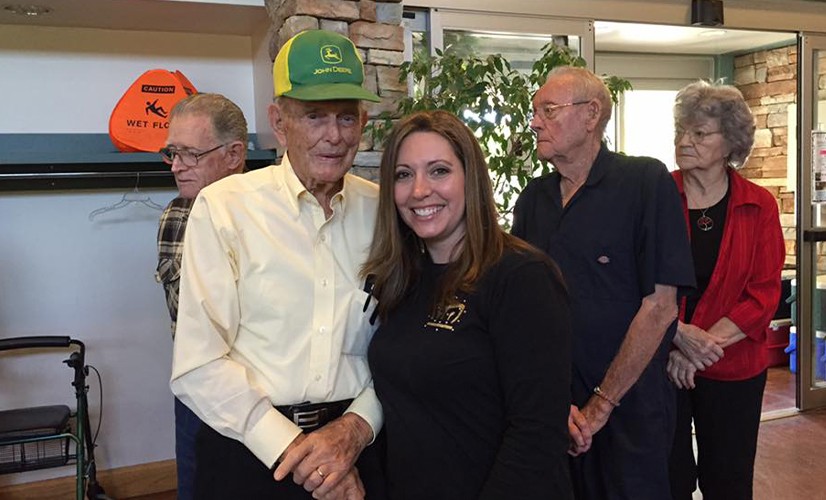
273	321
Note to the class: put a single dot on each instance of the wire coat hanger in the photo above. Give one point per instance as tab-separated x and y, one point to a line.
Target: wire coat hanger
129	198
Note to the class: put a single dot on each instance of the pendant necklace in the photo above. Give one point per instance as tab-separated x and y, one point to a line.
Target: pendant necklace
704	222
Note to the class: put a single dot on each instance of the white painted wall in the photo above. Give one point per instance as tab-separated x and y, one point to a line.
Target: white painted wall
68	80
647	71
62	274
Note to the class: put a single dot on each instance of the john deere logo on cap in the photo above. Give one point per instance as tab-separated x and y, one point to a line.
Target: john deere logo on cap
331	54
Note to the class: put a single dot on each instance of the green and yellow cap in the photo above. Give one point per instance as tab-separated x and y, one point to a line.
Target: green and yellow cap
318	65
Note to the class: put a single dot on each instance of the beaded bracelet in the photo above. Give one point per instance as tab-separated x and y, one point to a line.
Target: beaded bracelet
602	395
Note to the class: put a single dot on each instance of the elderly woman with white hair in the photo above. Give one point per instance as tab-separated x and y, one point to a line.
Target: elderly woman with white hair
720	356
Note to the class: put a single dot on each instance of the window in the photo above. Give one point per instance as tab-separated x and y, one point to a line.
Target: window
648	125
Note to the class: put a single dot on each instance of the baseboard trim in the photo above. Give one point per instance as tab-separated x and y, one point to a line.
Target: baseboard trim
768	416
121	483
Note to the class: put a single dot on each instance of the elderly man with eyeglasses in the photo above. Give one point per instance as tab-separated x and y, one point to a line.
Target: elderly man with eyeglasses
207	141
615	226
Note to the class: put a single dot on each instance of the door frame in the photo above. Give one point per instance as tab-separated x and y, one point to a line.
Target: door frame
809	395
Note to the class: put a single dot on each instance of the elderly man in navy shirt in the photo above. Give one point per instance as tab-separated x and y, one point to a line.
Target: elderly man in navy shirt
614	225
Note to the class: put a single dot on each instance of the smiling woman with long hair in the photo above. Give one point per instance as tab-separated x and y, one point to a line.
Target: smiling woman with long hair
472	359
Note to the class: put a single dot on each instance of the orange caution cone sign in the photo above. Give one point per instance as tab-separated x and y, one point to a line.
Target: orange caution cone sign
140	120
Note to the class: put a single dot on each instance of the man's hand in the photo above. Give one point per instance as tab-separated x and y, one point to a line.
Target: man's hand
324	458
699	346
597	411
585	423
580	432
680	370
349	488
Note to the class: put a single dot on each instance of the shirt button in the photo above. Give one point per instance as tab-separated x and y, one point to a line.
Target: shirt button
317	378
324	283
322	329
323	238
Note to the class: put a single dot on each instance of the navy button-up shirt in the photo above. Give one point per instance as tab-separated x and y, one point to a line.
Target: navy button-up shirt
621	233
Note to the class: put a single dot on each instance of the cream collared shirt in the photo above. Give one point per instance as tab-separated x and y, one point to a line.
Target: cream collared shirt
271	307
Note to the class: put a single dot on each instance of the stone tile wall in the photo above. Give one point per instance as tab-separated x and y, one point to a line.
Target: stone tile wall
768	81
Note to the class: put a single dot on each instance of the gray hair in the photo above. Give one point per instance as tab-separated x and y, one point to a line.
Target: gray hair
724	103
227	119
590	86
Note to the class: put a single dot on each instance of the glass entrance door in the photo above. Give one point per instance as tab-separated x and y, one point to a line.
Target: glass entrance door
811	273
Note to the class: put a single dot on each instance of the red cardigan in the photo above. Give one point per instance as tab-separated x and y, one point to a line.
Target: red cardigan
745	284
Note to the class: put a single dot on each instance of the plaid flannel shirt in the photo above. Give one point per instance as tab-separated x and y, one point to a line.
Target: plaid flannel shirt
170	247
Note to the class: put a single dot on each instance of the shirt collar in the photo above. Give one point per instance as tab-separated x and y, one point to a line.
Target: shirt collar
738	188
296	190
599	167
598	170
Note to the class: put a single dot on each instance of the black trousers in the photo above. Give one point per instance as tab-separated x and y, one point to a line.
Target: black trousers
226	469
726	420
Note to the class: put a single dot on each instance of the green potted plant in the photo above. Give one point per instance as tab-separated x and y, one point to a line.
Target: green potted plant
494	100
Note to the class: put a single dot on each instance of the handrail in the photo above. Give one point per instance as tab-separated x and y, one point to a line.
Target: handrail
35	342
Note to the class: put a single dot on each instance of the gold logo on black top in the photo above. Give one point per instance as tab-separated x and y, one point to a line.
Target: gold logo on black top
445	319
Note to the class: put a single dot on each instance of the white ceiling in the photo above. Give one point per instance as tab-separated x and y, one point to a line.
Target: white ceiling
628	37
242	18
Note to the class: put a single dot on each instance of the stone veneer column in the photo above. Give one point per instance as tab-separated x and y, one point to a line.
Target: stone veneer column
374	27
768	81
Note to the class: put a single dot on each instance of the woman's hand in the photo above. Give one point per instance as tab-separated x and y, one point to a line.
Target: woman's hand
681	370
698	346
580	432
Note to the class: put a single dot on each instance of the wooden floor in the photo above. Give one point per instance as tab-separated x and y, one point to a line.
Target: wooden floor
791	458
791	451
779	393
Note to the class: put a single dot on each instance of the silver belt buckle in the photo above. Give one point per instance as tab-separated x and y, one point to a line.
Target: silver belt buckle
307	419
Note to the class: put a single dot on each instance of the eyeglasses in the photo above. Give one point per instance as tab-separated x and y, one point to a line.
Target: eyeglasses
547	111
696	136
188	158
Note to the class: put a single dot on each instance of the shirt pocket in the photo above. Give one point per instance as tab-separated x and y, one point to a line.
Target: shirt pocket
611	274
358	328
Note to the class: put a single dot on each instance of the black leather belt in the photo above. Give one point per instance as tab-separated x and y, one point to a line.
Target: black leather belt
311	416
